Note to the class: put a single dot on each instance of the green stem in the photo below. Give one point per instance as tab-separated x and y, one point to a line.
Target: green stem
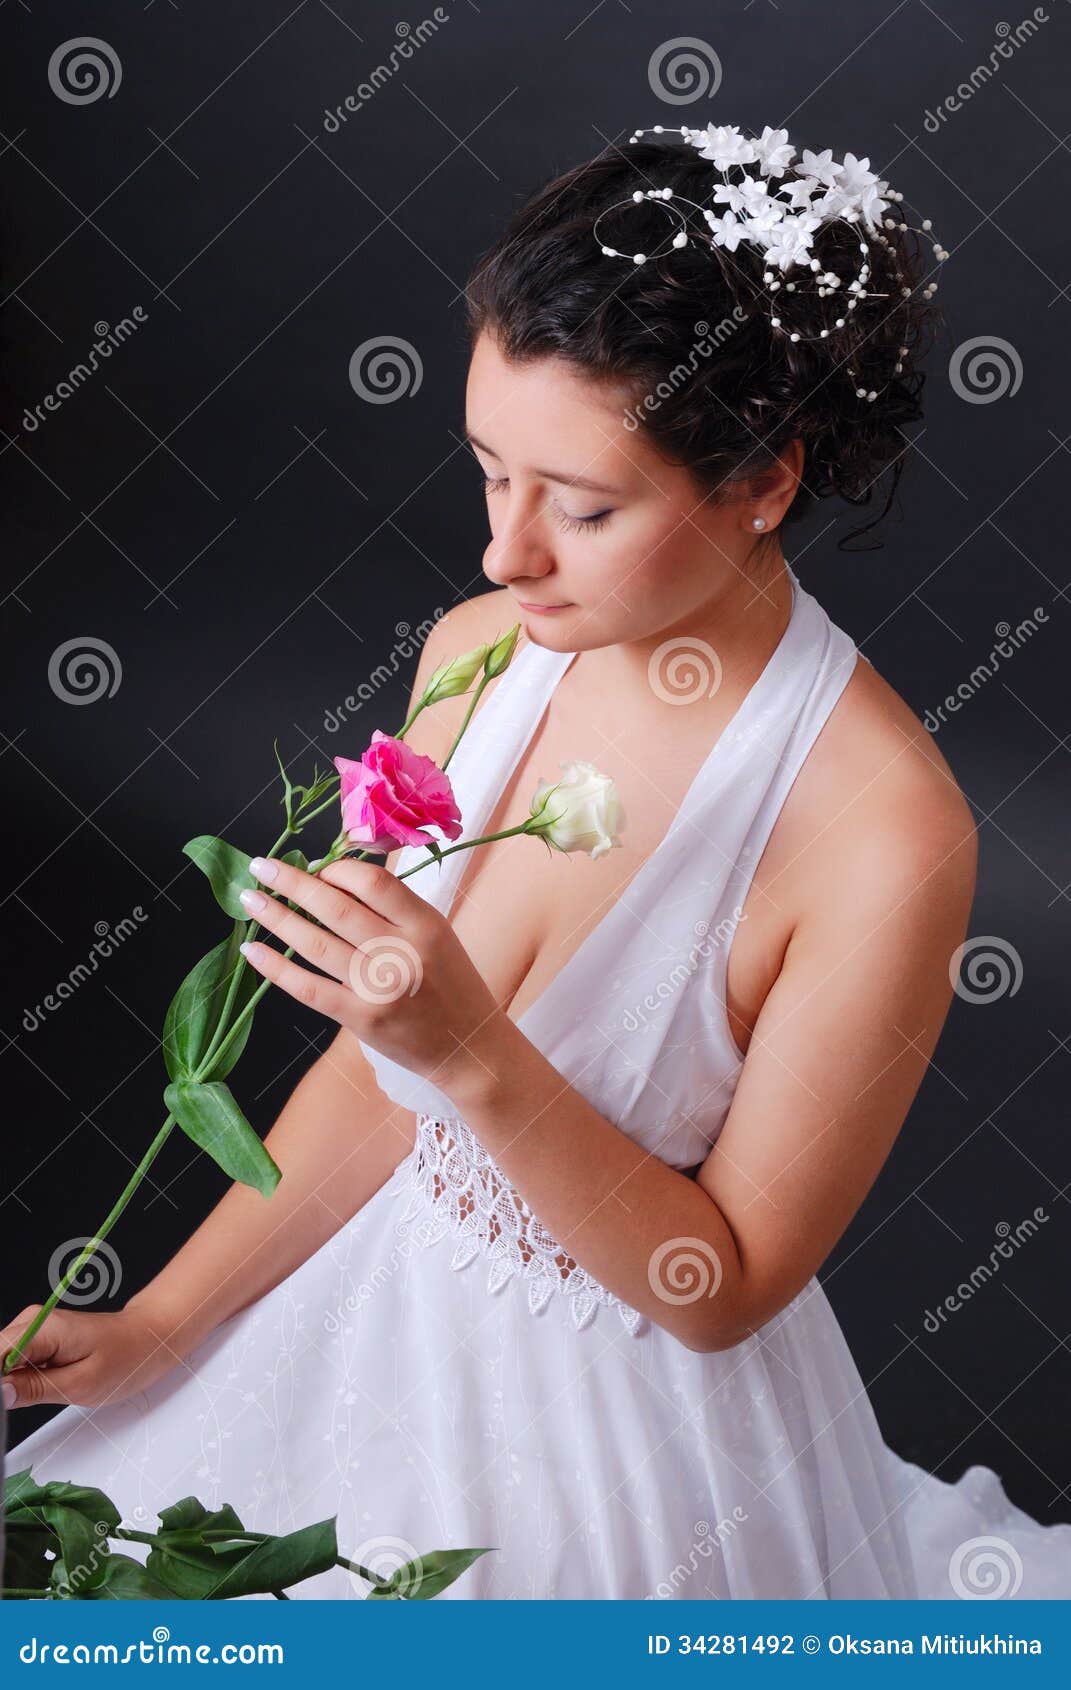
475	700
232	1030
221	1040
410	719
467	845
331	799
236	974
16	1592
129	1189
362	1572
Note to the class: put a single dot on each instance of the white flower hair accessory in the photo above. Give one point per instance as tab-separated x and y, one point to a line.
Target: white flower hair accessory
782	221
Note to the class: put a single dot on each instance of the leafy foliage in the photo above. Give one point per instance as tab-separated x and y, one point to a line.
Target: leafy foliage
57	1545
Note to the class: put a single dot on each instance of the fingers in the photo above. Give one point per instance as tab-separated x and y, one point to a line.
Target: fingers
354	900
12	1332
313	990
33	1380
374	885
344	894
324	949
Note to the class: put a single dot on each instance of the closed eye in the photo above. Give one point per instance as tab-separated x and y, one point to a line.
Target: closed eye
569	524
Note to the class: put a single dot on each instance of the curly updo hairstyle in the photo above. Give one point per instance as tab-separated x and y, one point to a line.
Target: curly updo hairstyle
692	327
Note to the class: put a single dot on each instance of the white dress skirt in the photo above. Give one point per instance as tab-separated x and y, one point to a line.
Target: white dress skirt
440	1375
382	1385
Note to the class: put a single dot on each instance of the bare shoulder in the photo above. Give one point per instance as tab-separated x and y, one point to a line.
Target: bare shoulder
478	618
877	814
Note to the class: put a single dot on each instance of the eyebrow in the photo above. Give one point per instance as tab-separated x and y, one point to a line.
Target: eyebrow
549	474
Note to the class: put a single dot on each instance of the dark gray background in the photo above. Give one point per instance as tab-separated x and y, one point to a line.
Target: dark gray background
221	508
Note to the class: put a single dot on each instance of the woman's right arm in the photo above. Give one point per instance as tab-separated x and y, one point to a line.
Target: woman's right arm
337	1139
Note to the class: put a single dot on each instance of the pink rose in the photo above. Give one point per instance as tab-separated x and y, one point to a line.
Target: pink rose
393	794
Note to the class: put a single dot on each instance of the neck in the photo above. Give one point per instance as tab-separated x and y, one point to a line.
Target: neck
728	639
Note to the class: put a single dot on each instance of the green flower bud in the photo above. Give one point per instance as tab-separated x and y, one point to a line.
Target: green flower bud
456	676
502	653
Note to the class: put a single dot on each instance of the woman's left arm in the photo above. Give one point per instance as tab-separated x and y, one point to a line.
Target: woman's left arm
836	1058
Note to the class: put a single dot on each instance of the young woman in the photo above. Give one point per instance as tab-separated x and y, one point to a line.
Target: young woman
541	1272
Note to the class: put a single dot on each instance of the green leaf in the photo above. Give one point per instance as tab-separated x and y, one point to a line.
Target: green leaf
27	1566
297	858
125	1579
195	1010
288	791
15	1484
425	1577
227	869
192	1515
78	1518
207	1113
201	1571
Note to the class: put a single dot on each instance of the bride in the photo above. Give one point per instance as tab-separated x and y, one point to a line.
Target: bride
540	1274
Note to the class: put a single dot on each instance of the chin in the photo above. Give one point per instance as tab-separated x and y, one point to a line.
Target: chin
541	630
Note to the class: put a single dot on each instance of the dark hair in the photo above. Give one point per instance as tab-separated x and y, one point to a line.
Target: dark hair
545	289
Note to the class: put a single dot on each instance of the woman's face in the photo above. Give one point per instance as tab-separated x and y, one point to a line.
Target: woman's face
631	557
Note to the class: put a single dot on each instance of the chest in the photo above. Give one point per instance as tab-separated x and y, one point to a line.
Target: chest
523	910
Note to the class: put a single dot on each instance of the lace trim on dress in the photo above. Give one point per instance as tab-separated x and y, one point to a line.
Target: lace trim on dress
458	1188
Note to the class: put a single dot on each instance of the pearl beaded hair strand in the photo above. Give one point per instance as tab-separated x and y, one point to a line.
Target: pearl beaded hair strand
818	192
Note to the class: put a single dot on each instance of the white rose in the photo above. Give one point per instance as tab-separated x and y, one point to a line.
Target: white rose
582	810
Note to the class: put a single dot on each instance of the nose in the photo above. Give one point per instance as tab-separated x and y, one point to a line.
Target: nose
518	549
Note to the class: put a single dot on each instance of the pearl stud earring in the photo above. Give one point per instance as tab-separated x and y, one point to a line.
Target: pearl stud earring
758	522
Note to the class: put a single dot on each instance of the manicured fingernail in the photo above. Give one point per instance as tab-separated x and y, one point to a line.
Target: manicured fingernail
264	868
252	900
9	1394
251	949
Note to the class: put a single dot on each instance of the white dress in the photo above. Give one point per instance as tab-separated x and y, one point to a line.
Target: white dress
435	1378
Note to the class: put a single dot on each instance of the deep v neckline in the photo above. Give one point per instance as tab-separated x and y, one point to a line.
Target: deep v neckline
730	733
